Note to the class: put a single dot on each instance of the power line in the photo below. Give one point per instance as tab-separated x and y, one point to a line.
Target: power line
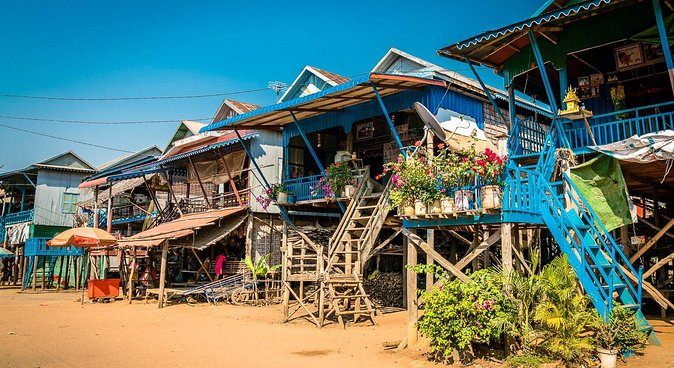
99	122
65	139
130	98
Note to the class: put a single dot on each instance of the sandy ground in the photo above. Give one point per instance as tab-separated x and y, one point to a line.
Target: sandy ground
53	330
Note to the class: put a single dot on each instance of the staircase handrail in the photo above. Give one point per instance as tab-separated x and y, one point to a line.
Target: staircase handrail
602	233
381	209
567	232
350	209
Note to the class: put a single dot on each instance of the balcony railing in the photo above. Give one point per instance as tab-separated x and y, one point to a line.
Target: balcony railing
38	247
218	201
527	137
307	188
19	217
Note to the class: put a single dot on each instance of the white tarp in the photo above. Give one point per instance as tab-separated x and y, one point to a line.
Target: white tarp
646	148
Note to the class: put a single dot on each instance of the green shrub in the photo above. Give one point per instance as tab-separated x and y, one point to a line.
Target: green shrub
461	313
620	332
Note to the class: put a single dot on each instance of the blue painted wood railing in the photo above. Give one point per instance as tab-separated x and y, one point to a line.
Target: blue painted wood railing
306	188
526	138
19	217
618	130
38	247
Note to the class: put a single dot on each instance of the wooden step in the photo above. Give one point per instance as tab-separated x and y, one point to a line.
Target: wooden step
616	286
371	196
347	251
358	218
362	311
630	306
348	280
354	296
368	207
358	228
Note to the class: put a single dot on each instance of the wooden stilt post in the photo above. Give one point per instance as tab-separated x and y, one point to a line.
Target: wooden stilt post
285	251
405	292
506	247
625	241
162	273
35	261
412	312
231	179
66	284
76	271
430	276
84	261
201	185
58	278
23	272
132	272
109	219
96	207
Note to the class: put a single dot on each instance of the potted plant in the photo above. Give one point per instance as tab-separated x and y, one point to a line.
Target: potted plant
337	178
445	165
489	167
464	177
618	335
276	192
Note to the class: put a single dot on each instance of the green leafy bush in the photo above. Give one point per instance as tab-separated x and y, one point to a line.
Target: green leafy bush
461	313
620	332
526	361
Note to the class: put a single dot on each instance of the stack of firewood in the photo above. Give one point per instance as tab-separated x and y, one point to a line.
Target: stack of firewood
385	289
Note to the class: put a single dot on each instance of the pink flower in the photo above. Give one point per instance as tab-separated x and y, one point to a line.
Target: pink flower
417	143
441	145
400	159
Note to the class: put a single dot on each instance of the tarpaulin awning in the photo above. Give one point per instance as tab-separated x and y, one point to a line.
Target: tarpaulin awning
641	149
600	181
224	140
183	226
117	188
213	234
652	35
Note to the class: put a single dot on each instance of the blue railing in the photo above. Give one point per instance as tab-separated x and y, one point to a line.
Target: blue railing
614	131
38	247
526	138
306	188
19	217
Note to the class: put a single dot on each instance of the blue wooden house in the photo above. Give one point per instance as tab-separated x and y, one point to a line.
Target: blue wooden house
363	122
605	68
39	202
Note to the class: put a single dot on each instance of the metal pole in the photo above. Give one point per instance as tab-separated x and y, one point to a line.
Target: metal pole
388	120
486	92
544	74
664	41
308	144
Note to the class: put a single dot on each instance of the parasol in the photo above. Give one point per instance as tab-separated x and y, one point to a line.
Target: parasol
83	237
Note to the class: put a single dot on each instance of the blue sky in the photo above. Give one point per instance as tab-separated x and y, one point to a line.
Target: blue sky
172	48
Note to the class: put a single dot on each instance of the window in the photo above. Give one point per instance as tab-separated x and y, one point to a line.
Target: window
70	202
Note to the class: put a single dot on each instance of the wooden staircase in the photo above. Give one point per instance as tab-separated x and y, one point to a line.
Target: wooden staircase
342	291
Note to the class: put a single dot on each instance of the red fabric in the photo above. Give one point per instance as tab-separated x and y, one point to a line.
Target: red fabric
219	262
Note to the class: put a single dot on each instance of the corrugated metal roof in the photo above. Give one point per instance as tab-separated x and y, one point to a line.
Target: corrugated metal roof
180	227
486	48
135	174
356	91
222	141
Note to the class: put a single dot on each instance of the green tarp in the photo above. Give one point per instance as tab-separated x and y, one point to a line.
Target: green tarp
652	35
600	181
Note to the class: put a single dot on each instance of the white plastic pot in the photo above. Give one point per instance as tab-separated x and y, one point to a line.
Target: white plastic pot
608	358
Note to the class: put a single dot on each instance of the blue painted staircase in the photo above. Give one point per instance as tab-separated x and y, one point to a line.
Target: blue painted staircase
601	266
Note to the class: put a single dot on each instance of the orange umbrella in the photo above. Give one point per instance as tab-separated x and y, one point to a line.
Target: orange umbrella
83	237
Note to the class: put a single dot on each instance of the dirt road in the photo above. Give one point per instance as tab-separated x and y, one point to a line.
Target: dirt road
53	330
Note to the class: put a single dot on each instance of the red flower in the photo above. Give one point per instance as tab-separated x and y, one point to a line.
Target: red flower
482	162
441	145
417	143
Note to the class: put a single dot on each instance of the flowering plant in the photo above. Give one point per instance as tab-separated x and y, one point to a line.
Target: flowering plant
413	178
271	194
489	165
337	177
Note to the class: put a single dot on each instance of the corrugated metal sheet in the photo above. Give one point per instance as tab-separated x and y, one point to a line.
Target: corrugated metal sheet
183	226
205	149
136	173
330	99
49	190
532	22
431	96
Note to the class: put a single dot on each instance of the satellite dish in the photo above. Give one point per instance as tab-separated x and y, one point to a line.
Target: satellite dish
430	121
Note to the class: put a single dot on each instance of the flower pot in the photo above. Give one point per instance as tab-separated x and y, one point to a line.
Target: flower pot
463	200
419	207
436	207
349	191
291	198
491	196
447	205
282	198
608	358
408	209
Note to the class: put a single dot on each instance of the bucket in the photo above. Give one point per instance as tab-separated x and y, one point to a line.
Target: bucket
463	200
491	196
